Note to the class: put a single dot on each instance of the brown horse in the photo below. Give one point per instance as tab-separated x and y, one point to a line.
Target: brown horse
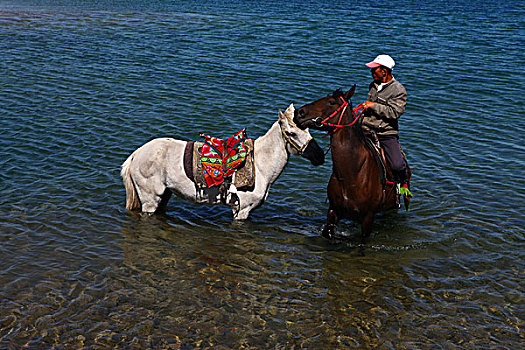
356	189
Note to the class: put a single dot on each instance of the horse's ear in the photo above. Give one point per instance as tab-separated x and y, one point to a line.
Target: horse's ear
350	93
289	111
281	115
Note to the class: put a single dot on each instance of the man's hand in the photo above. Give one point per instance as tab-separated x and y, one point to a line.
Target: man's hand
368	104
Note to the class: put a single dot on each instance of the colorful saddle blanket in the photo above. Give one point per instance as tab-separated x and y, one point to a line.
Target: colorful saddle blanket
220	158
197	154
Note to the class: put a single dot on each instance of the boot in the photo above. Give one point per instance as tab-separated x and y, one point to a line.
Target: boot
405	191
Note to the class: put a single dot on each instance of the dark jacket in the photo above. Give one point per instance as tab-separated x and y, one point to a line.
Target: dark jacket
389	104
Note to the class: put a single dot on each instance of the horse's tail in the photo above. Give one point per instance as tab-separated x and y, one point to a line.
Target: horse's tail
132	199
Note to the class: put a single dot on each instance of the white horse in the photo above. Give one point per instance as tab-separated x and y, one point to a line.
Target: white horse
156	170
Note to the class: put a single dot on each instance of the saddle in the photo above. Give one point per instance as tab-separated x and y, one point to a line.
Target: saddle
386	175
215	162
373	144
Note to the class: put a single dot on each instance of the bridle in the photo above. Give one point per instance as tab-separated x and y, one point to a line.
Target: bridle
293	143
341	108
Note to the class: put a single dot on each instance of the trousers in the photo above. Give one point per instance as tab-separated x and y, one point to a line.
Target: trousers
394	157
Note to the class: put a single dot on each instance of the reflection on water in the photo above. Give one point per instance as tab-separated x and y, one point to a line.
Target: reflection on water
83	85
171	283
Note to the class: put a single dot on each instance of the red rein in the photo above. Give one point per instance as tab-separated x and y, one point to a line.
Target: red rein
343	107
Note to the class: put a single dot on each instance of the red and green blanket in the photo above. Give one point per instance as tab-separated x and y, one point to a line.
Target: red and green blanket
220	158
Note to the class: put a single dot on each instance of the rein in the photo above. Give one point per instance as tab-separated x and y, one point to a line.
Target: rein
341	108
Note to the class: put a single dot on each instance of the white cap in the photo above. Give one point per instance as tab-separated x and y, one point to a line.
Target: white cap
382	60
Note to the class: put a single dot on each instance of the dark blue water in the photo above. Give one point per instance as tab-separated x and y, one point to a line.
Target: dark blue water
83	84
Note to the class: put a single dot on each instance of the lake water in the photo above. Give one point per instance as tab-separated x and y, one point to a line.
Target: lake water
84	83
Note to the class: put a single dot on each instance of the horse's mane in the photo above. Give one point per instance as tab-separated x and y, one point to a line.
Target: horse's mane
359	129
338	93
357	126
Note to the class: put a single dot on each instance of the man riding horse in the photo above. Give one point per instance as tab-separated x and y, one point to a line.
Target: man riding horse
385	103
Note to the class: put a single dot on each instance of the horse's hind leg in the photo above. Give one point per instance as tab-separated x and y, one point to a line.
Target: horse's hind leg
366	226
331	221
151	200
163	204
150	205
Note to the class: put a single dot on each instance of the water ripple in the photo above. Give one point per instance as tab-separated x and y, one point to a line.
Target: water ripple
83	85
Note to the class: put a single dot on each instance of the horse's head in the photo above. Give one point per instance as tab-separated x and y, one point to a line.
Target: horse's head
326	110
299	141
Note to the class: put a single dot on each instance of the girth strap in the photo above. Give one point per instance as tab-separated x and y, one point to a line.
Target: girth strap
188	160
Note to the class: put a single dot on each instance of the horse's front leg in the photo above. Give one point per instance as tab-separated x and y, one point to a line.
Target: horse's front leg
241	213
248	201
331	221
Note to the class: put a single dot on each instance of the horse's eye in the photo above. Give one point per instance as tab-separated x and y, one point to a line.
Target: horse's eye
291	134
331	102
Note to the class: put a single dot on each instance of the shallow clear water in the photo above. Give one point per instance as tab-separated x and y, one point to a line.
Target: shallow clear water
85	84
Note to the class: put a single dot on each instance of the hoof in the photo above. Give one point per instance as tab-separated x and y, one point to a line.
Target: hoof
328	232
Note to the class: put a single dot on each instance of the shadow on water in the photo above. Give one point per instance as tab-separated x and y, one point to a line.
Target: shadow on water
273	285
